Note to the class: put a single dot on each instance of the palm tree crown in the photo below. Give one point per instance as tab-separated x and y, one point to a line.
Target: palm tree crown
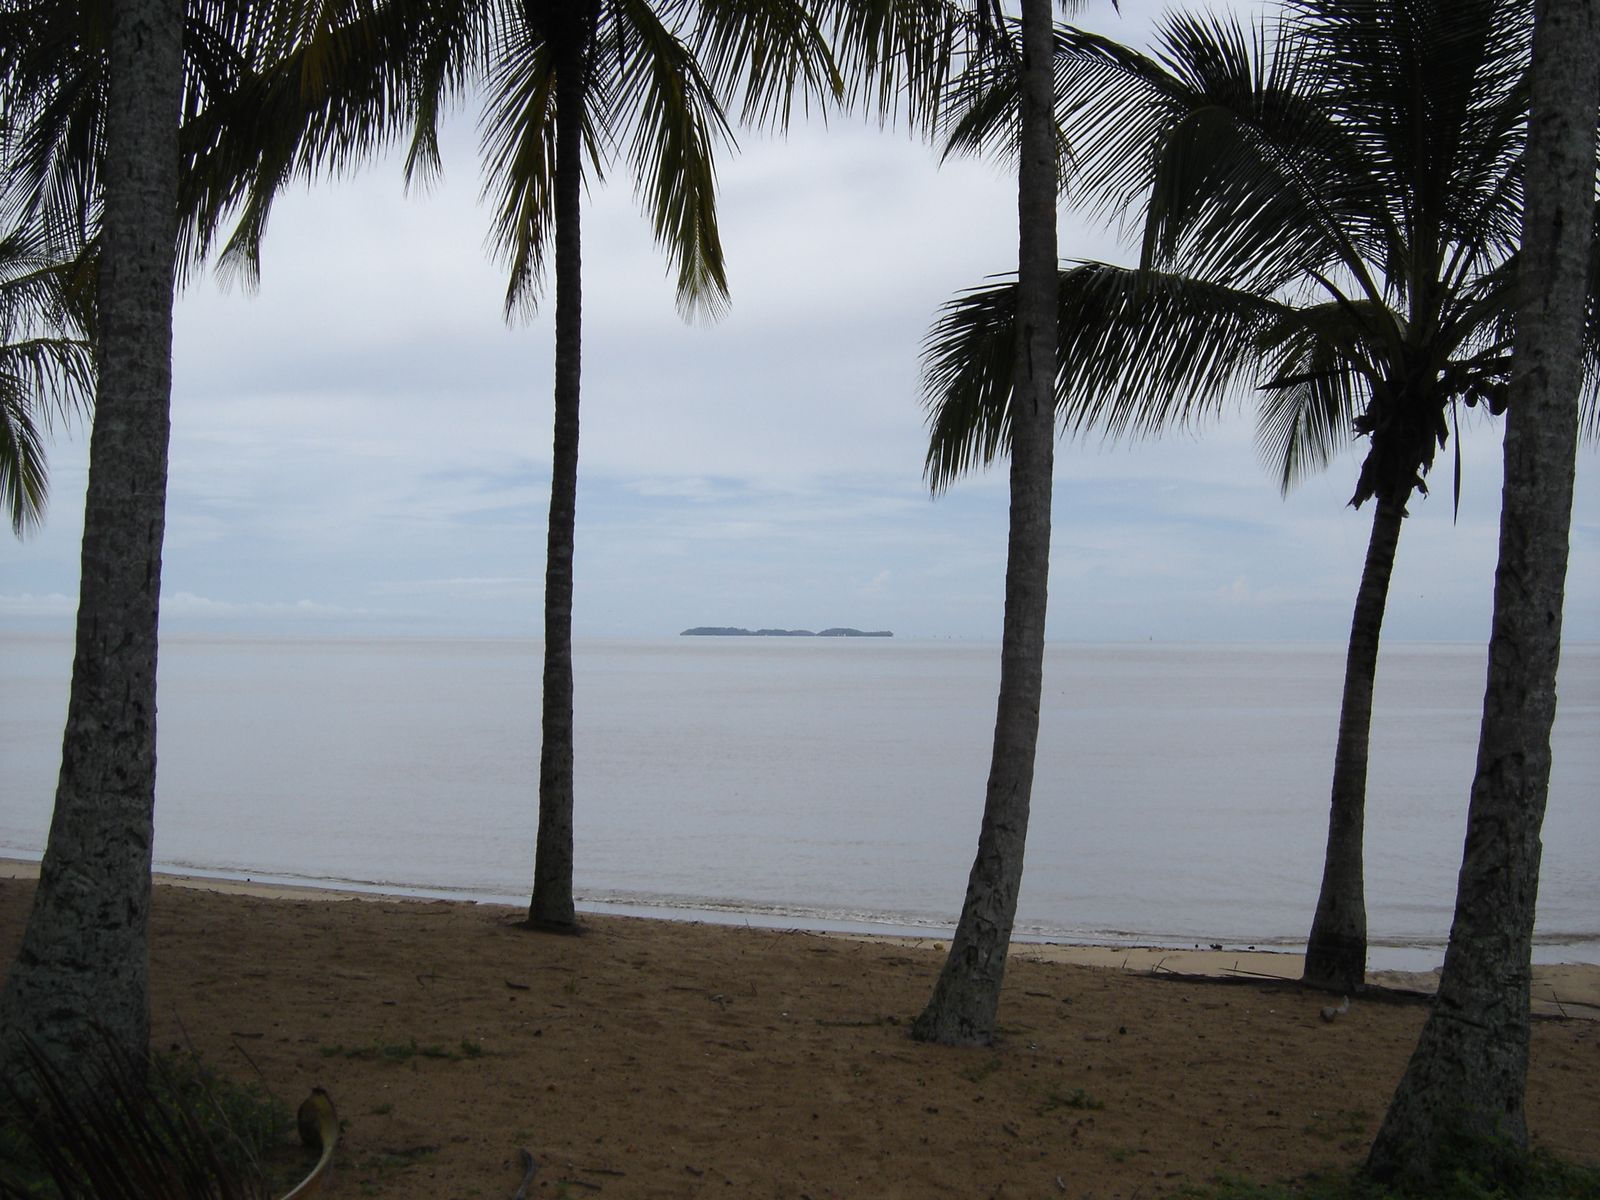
1331	212
656	83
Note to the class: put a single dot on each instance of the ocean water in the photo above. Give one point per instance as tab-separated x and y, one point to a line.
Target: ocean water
1181	790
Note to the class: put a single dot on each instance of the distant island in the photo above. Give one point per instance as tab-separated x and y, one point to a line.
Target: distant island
729	631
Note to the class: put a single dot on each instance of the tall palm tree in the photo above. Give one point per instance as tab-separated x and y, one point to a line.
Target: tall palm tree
46	366
580	82
1460	1103
569	88
84	959
569	83
966	996
1331	213
94	93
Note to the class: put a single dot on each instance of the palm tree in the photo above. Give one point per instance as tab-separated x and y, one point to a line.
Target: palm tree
569	88
46	366
566	83
575	84
966	996
81	971
1460	1103
1330	215
94	93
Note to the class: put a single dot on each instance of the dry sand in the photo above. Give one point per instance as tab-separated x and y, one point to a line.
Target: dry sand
665	1059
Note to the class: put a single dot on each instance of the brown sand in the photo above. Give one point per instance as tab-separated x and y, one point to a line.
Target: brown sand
661	1059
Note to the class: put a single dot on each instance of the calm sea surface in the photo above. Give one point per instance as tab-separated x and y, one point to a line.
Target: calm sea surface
1181	791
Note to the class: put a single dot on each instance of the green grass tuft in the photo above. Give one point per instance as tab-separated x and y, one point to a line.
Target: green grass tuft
1077	1098
115	1128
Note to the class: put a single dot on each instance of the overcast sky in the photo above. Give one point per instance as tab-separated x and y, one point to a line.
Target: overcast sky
363	446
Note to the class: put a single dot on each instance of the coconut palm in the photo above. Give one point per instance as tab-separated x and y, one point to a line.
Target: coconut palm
1460	1105
569	87
966	996
46	366
577	84
83	961
94	92
1331	211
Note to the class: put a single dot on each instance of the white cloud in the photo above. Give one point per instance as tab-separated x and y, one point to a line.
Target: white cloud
368	435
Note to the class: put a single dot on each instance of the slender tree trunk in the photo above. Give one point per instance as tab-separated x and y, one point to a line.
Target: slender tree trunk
1460	1102
551	907
82	971
1336	952
967	994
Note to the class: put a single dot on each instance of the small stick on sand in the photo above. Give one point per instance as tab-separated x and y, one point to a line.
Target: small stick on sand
530	1168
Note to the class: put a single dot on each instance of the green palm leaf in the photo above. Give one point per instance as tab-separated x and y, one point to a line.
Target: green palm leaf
1140	351
46	365
676	119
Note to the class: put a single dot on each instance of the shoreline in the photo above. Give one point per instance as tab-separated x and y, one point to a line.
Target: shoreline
1558	989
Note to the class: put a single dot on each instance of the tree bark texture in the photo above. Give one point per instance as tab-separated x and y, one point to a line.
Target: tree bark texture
1460	1101
966	996
551	907
1336	952
82	971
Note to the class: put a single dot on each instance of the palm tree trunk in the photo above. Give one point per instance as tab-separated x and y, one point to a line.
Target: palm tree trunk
551	907
1460	1102
1336	952
82	971
967	993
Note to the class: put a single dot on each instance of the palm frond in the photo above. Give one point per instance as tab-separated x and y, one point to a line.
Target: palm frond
675	121
52	92
978	115
453	41
1253	181
1144	351
1301	427
24	479
967	362
898	56
765	56
1435	95
1355	166
53	375
329	102
519	149
46	364
1140	352
1317	373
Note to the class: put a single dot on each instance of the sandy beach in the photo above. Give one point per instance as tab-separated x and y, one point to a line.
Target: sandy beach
666	1059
